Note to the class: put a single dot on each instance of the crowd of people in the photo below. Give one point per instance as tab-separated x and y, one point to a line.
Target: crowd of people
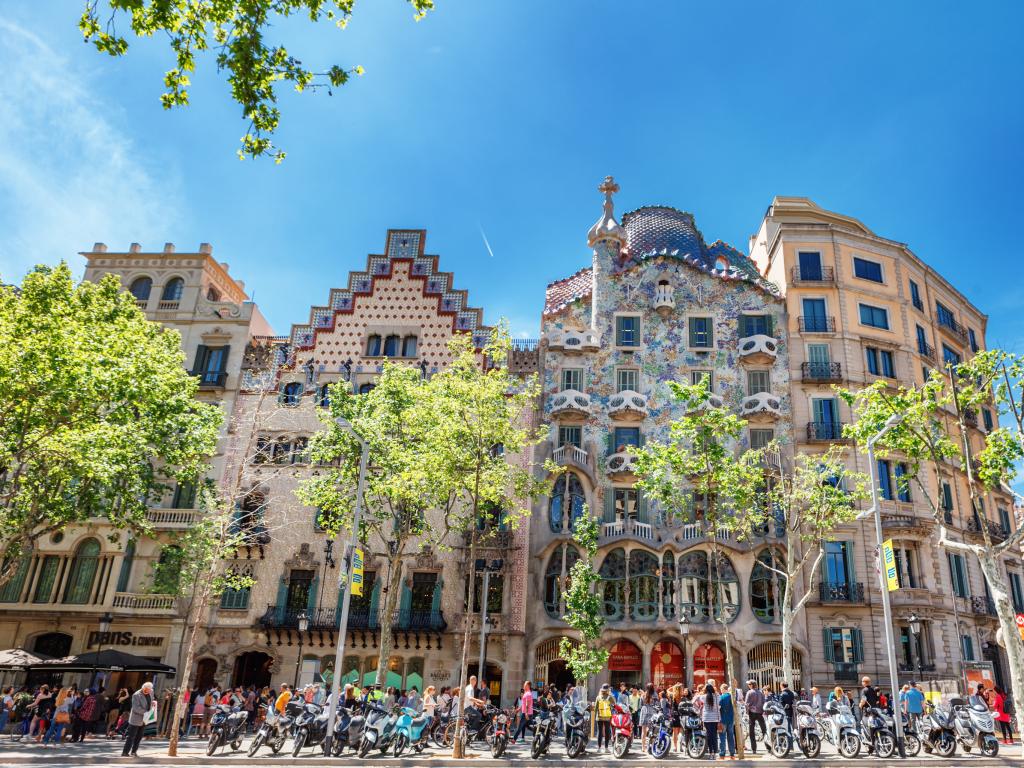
52	716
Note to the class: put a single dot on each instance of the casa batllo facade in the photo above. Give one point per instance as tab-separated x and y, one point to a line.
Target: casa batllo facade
656	304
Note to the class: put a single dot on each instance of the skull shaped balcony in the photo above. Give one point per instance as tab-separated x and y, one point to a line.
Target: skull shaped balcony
570	403
764	406
574	341
623	462
627	405
758	348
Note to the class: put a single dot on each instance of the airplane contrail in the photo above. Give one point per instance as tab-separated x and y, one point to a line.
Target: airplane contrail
484	236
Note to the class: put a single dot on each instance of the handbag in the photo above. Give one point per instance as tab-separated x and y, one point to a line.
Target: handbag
150	715
721	728
62	716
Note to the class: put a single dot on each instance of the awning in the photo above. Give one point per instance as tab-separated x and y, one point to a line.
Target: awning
111	660
20	659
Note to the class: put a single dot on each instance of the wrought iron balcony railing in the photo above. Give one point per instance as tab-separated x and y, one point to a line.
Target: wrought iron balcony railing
852	592
817	324
819	275
821	371
825	431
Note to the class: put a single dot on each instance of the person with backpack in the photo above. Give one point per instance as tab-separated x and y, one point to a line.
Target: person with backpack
1003	710
604	705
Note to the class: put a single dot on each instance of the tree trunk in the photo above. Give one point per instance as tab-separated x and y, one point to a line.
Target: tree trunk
387	620
730	669
457	751
195	611
1012	641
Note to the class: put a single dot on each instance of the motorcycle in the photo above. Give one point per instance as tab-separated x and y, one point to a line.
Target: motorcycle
779	737
694	736
273	731
659	744
876	731
309	727
500	738
227	726
839	727
975	727
622	730
544	728
937	731
577	729
379	730
411	731
808	737
348	730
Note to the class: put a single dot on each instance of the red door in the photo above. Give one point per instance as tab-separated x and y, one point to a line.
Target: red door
668	666
708	664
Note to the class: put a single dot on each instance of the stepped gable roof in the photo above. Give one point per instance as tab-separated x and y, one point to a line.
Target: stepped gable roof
562	293
661	230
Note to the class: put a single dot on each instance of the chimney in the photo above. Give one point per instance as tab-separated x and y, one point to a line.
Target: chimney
134	248
168	247
99	247
205	248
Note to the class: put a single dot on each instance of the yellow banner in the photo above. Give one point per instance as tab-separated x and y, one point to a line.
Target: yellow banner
357	572
889	560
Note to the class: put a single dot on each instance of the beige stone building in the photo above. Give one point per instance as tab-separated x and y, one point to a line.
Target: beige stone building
862	308
80	591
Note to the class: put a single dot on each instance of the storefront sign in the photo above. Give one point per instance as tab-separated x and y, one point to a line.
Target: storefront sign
124	638
889	560
625	657
357	573
440	676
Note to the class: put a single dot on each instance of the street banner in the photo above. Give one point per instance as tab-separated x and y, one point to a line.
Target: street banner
357	572
889	559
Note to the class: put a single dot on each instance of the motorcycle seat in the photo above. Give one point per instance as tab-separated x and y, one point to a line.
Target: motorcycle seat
418	722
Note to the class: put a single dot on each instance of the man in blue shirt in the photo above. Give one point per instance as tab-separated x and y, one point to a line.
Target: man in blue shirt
913	703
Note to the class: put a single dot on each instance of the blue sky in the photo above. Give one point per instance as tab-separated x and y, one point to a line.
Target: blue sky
504	118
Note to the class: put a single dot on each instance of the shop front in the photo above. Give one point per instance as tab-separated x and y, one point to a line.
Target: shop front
625	663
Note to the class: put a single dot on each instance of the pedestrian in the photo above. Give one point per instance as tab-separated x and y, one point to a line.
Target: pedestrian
675	719
1002	714
754	702
85	716
42	706
727	731
6	707
603	706
978	699
429	702
634	707
788	701
61	717
648	706
142	702
868	696
817	701
913	704
525	711
117	711
711	716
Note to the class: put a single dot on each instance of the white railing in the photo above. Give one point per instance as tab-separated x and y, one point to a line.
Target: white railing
570	454
627	400
634	528
694	531
759	344
570	400
140	601
167	306
574	341
173	518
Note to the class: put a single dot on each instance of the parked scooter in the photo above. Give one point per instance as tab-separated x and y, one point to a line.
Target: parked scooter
499	739
808	737
348	730
545	723
694	736
379	730
309	728
974	727
411	730
877	732
839	727
227	726
622	730
936	730
577	729
779	737
659	743
273	731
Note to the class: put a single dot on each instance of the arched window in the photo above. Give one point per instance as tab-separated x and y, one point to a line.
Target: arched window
693	586
725	588
392	346
373	345
612	586
141	287
124	577
173	290
212	294
766	586
643	585
668	585
409	346
366	388
556	578
323	396
291	393
83	573
566	495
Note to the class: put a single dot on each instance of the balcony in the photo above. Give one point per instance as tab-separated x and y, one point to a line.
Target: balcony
825	432
982	605
925	667
622	462
630	527
844	672
821	371
815	324
762	407
167	306
891	522
575	341
926	350
713	401
412	619
173	519
664	300
814	276
211	379
627	404
569	455
144	604
283	617
952	328
996	532
971	418
142	304
841	593
759	348
361	618
570	402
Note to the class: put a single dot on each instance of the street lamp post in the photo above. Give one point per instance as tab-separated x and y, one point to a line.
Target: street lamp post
684	630
875	510
105	621
303	621
346	600
914	624
487	569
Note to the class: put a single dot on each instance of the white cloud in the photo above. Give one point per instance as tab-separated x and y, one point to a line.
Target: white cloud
68	175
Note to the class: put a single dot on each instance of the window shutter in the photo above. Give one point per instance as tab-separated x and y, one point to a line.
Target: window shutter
641	505
341	597
693	332
406	603
826	638
311	596
202	351
374	597
435	601
609	505
770	325
858	646
224	359
282	598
